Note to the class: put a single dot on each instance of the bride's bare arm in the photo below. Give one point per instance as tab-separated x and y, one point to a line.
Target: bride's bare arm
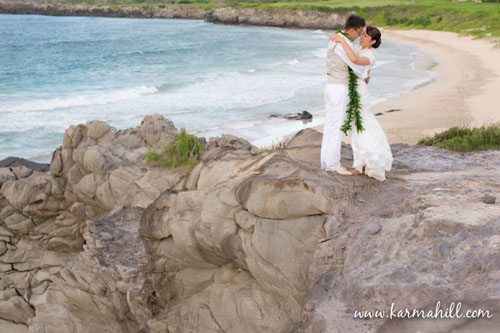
362	61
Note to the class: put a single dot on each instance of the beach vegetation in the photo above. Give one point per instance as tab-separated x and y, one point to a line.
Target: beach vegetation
266	150
465	139
465	17
185	150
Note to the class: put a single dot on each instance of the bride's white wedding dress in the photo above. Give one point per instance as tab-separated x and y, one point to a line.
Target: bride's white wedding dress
370	147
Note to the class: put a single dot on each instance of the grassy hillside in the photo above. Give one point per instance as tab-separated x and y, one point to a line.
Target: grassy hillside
477	19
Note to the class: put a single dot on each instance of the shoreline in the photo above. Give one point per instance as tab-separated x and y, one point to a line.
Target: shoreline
282	18
462	94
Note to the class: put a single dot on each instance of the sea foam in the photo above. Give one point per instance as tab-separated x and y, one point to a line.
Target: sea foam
73	101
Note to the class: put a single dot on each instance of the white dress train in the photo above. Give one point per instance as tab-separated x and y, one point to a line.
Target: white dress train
370	147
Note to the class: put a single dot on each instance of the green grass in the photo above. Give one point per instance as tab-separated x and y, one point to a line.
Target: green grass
476	19
466	139
185	150
266	150
481	20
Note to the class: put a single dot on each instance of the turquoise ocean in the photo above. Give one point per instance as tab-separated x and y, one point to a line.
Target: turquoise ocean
209	79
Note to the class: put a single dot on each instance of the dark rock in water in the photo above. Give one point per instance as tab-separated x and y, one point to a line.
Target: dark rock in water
11	162
379	114
393	110
293	116
298	116
489	199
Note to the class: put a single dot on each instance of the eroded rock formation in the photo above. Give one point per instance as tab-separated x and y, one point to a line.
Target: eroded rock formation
309	19
246	242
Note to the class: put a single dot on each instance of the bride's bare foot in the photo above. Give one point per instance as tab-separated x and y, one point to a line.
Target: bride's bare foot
355	172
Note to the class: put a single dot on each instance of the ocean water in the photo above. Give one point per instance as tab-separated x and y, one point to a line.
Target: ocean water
210	79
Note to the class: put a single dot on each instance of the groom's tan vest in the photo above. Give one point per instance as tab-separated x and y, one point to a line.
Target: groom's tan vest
336	71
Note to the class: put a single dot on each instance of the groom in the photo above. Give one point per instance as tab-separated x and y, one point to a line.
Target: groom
337	99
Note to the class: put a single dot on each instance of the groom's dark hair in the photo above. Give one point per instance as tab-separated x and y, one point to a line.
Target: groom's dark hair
354	21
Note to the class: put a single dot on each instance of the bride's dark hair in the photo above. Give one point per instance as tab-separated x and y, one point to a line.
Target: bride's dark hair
376	36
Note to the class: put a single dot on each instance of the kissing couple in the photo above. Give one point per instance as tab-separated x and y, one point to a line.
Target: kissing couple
347	106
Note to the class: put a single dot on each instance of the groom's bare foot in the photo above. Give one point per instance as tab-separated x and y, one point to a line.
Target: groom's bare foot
342	171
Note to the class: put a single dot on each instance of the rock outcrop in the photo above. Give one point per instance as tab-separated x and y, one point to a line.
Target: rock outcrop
246	242
308	19
305	19
59	9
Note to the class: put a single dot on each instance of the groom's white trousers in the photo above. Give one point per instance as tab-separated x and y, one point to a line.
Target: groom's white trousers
336	99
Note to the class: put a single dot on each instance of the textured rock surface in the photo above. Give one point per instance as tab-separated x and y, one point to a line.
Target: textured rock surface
248	16
58	9
278	18
70	252
246	242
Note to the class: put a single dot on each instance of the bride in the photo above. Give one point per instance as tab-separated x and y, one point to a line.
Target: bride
371	152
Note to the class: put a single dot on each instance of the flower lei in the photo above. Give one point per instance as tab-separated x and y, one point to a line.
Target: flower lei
353	112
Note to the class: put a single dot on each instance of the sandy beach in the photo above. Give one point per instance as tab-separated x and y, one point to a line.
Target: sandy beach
465	91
